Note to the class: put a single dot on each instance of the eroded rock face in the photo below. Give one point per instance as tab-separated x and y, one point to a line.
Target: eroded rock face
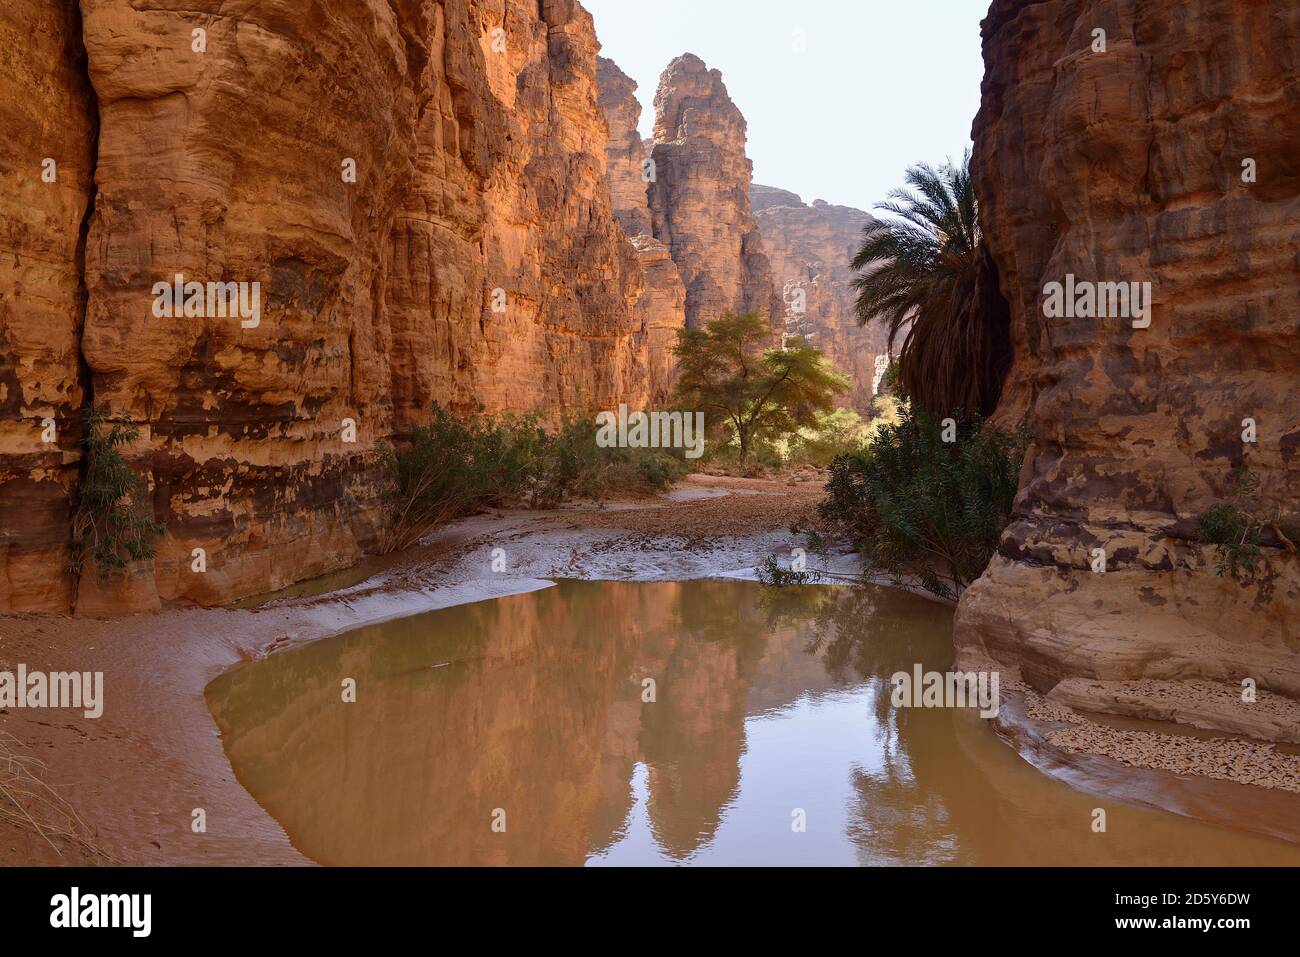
47	166
625	152
474	259
700	196
810	248
663	304
225	165
662	308
508	264
1127	165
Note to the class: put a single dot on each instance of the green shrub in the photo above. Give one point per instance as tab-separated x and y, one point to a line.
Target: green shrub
454	467
112	524
723	455
918	508
771	573
830	433
570	465
1236	528
833	433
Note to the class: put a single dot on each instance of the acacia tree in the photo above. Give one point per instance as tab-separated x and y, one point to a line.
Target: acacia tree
728	369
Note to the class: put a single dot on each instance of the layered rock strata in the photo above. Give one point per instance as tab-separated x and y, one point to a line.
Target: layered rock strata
512	285
1129	145
699	196
626	153
810	248
628	164
417	189
48	169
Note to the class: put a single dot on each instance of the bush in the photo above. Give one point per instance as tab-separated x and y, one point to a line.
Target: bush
771	574
112	525
723	456
918	508
571	465
455	467
834	433
1237	529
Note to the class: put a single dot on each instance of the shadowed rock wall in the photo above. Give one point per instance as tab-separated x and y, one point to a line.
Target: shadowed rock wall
1126	165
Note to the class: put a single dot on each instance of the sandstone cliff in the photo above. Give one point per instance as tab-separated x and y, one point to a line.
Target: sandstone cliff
699	196
625	151
1132	164
663	305
810	248
511	202
48	171
473	258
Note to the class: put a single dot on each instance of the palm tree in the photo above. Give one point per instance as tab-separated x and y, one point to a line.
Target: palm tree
928	269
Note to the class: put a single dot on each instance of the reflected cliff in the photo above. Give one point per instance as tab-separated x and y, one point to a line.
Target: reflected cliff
767	706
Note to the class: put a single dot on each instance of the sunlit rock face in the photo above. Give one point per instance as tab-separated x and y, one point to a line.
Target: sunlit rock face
416	186
810	248
512	285
662	306
218	161
1169	156
625	151
699	196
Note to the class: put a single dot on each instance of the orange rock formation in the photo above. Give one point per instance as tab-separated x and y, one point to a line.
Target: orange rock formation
418	189
810	248
1161	149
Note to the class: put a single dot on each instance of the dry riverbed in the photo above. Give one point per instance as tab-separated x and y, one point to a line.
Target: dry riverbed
136	775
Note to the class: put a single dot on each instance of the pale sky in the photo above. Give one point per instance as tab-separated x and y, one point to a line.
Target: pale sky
881	84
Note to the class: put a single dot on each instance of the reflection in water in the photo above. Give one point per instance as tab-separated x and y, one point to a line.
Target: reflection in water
766	703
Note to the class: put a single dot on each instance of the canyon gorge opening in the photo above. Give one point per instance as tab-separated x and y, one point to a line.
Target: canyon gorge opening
267	268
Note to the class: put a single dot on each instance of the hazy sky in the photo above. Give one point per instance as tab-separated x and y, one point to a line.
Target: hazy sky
881	84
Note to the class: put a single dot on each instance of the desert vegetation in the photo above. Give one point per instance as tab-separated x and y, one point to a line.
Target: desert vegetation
753	394
1242	525
112	524
925	496
455	466
28	802
924	503
926	273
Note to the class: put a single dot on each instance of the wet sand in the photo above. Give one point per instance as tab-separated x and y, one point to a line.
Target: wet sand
136	775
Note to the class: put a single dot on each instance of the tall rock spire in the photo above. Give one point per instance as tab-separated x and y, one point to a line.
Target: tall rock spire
699	196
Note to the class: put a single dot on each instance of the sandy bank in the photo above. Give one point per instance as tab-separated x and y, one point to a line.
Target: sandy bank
136	774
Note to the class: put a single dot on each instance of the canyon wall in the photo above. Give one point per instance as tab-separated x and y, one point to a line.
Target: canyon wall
810	248
417	186
625	151
699	196
47	168
511	285
422	201
664	306
1169	155
223	156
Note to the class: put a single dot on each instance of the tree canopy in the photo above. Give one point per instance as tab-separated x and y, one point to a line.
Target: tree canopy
731	372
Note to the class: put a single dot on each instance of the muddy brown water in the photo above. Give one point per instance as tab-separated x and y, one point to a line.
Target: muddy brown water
771	709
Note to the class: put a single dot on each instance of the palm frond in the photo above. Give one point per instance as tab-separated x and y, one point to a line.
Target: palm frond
927	276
